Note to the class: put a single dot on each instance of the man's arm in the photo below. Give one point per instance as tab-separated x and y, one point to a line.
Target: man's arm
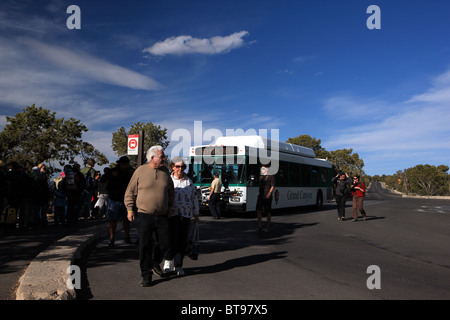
272	187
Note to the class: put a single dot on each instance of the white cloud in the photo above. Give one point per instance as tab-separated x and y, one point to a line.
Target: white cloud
413	132
439	93
303	59
425	128
350	108
187	45
92	67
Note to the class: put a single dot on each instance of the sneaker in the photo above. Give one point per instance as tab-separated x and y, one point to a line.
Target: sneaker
111	243
146	282
179	271
167	266
355	220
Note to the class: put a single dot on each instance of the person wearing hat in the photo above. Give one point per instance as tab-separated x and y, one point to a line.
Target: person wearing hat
214	196
123	160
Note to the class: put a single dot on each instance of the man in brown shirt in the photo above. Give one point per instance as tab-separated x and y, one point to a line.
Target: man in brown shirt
150	194
214	196
266	187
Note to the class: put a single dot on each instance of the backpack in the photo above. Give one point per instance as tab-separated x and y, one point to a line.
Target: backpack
363	186
70	180
89	180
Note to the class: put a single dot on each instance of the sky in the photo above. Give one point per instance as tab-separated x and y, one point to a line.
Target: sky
314	67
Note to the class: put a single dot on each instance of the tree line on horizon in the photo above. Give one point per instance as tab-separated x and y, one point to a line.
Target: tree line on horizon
423	180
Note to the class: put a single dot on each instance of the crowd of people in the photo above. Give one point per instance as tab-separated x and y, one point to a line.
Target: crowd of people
162	200
33	195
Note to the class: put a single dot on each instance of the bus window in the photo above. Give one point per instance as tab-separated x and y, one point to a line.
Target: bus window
282	177
206	174
294	175
315	175
231	172
323	176
306	175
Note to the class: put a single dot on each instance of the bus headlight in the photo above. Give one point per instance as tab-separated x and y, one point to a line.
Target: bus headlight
235	199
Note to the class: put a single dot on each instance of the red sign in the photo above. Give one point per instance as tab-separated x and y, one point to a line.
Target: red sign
132	143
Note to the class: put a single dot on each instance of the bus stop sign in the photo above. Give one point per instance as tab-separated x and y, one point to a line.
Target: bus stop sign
133	143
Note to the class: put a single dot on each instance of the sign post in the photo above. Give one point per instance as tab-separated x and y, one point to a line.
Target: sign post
141	148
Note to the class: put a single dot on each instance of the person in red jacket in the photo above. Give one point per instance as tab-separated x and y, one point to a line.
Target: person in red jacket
358	191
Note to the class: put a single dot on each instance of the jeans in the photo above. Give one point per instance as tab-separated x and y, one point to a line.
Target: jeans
60	215
358	204
340	201
86	200
179	229
73	208
214	205
150	225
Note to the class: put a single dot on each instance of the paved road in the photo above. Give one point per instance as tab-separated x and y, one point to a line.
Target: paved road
308	255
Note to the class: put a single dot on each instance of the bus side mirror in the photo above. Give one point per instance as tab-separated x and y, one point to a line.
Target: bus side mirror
251	180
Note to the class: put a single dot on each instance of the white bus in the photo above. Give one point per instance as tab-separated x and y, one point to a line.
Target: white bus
301	179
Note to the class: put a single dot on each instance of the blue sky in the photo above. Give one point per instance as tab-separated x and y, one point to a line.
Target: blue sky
301	67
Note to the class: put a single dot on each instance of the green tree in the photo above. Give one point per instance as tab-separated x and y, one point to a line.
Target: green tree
309	142
428	180
35	135
153	135
344	160
422	179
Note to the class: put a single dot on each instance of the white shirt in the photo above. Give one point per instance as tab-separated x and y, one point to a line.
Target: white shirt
186	201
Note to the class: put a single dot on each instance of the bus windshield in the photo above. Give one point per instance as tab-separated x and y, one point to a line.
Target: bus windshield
231	172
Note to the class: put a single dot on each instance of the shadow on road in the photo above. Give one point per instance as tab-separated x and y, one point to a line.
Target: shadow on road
236	263
228	235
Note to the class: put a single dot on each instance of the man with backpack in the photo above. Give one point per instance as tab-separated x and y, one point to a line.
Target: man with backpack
73	185
89	175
